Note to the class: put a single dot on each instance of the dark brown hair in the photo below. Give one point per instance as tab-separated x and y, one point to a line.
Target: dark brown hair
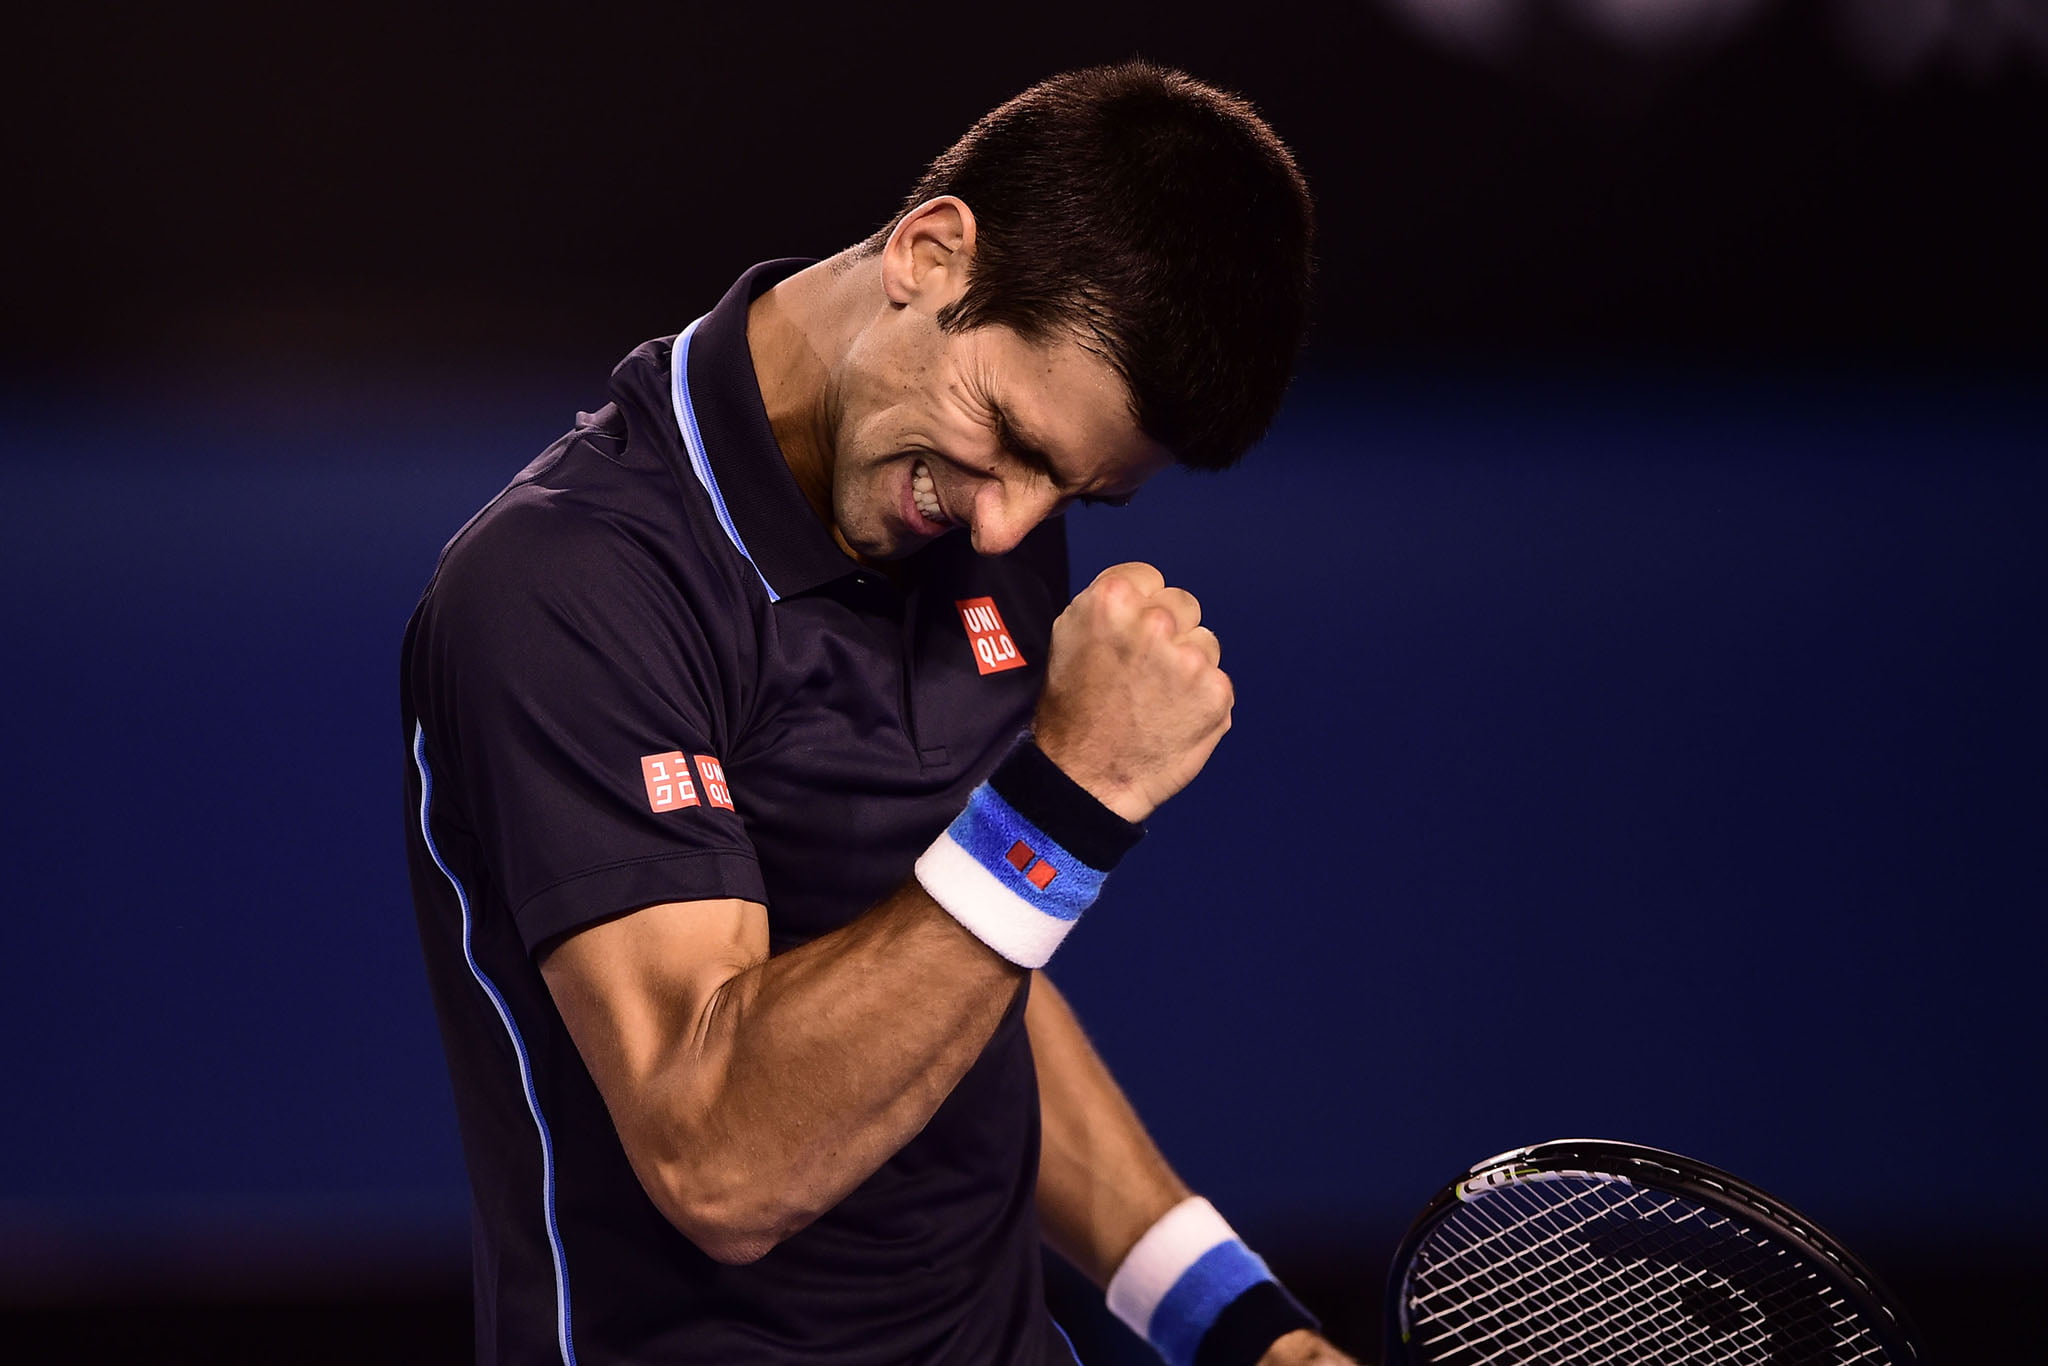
1156	219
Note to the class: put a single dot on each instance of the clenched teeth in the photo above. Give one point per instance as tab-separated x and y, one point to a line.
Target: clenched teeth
924	494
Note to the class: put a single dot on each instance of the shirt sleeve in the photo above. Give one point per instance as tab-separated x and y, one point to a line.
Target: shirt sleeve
576	690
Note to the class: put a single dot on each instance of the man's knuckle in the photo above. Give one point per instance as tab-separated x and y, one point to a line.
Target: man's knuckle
1115	590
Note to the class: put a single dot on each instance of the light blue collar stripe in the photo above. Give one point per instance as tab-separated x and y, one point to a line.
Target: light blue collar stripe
693	441
547	1147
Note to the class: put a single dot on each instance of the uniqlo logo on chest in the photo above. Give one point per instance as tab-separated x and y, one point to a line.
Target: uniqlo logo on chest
994	651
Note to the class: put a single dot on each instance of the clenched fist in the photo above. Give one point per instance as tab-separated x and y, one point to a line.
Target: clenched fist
1134	700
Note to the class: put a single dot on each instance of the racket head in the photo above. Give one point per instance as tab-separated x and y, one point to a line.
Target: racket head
1592	1250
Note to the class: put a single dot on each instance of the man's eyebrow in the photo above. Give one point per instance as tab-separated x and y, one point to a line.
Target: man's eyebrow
1020	443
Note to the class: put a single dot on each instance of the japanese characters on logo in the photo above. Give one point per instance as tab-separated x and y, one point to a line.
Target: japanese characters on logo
669	786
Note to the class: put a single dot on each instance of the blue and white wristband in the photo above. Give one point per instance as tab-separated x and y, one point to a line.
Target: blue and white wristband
1192	1289
1028	854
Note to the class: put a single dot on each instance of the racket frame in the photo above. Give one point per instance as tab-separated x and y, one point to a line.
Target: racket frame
1652	1169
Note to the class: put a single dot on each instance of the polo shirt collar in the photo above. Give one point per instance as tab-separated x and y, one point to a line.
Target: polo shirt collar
732	449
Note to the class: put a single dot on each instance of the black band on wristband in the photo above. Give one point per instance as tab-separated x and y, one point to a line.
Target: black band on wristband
1252	1323
1043	794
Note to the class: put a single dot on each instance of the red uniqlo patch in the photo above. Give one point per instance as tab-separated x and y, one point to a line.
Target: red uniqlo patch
994	651
713	774
668	781
1036	870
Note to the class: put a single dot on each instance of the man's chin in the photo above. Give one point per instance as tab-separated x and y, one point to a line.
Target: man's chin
904	548
890	540
881	548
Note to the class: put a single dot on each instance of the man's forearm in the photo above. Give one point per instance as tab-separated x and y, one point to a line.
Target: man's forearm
1101	1180
825	1060
751	1105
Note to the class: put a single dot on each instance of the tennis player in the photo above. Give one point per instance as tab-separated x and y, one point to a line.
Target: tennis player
759	757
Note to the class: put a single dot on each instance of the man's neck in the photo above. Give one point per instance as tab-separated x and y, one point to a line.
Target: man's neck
796	330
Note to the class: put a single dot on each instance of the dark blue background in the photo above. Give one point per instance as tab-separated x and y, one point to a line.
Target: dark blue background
1657	757
1637	612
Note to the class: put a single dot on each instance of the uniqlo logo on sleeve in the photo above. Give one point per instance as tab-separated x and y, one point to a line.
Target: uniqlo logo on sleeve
713	774
994	651
669	787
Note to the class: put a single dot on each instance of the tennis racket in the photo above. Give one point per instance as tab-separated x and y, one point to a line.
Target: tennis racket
1586	1252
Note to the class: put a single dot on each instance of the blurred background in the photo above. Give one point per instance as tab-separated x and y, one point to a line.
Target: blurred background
1637	612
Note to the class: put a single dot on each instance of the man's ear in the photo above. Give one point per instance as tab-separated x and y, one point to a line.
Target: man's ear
927	258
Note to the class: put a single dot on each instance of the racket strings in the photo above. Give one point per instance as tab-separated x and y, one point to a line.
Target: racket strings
1605	1309
1668	1271
1578	1268
1603	1304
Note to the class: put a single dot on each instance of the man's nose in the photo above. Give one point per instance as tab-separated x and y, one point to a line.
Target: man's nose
1006	510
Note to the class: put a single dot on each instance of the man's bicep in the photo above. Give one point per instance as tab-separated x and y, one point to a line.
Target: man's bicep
633	989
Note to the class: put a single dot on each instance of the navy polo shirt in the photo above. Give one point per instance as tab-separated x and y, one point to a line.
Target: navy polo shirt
646	673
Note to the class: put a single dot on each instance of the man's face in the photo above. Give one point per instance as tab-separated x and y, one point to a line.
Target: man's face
978	430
